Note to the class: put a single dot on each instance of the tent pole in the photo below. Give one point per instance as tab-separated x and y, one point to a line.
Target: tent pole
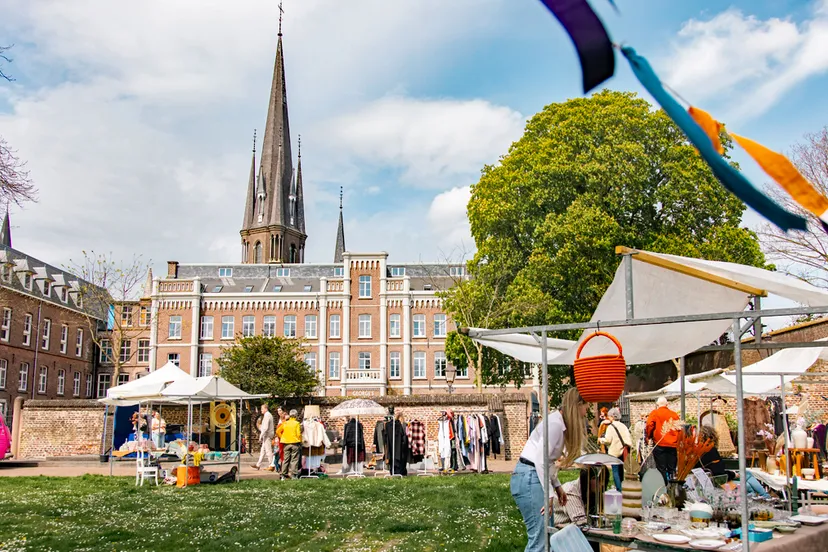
112	443
740	411
682	371
545	406
628	281
238	443
785	429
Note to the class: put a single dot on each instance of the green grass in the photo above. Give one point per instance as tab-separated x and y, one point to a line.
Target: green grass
468	512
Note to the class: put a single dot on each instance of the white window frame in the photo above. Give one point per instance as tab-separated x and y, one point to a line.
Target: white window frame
248	325
283	272
89	385
418	326
310	360
440	365
228	327
144	316
4	409
104	382
125	353
43	380
27	281
79	343
126	315
76	378
225	272
46	336
289	325
64	337
364	286
364	360
310	326
394	365
419	364
269	326
63	294
440	322
395	326
397	271
47	288
175	358
205	365
334	365
339	272
462	373
5	325
364	326
175	327
335	326
206	331
457	271
27	329
144	351
7	272
23	377
107	355
4	372
61	382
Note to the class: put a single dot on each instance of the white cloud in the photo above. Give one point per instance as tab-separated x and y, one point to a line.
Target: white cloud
753	61
447	219
435	143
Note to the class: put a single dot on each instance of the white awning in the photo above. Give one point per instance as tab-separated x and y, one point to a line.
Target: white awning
205	389
147	388
787	361
526	348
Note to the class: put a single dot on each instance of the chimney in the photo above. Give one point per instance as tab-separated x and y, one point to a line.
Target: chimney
172	269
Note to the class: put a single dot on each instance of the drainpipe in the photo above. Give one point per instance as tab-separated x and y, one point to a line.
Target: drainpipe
36	348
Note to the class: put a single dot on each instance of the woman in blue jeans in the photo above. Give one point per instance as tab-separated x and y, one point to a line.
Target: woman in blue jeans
567	431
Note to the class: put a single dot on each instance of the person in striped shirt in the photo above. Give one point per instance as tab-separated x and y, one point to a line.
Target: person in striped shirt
574	510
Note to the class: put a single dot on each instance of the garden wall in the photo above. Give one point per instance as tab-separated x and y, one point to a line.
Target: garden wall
61	428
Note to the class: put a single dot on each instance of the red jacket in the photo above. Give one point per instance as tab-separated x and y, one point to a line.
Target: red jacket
656	430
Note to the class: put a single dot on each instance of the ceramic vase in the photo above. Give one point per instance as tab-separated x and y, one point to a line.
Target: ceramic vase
676	494
771	466
810	442
631	491
800	438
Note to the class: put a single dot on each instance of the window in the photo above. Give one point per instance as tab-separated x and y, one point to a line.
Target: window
310	326
205	365
47	332
126	351
4	408
5	327
439	325
334	326
7	272
427	287
106	351
123	378
290	326
4	369
333	365
47	288
248	289
397	271
394	366
457	271
64	337
145	316
420	365
364	361
225	272
175	327
365	286
126	315
27	329
175	358
76	384
308	288
143	350
339	272
269	327
89	385
103	384
394	326
248	326
206	327
217	289
277	289
42	379
283	273
27	281
440	365
310	360
257	253
364	325
419	325
227	327
64	296
61	382
23	380
79	343
462	372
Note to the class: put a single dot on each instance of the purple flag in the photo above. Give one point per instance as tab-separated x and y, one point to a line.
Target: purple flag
590	38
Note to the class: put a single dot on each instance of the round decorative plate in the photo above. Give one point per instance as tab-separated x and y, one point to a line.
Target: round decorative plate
707	544
671	539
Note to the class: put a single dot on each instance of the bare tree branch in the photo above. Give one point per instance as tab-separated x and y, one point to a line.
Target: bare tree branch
7	59
15	183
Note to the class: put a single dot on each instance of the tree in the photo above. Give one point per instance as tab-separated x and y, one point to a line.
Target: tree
802	254
4	58
15	183
112	291
587	175
272	365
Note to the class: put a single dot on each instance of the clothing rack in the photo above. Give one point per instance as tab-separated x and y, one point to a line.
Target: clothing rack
385	471
423	472
309	475
393	421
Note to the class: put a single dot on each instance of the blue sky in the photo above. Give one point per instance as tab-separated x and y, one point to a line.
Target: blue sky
136	118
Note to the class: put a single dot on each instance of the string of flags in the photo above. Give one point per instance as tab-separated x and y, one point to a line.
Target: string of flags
597	58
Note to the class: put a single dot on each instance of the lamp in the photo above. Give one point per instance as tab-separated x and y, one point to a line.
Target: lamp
451	373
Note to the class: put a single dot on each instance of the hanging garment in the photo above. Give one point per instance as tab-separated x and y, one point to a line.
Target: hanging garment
416	433
777	414
819	437
314	438
396	447
353	439
444	438
497	435
379	437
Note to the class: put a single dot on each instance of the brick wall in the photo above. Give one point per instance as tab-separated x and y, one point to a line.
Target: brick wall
62	428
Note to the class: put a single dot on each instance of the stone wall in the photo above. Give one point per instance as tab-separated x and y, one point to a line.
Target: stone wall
62	428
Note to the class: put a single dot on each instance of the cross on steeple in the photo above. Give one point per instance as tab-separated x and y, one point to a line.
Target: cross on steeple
281	13
254	140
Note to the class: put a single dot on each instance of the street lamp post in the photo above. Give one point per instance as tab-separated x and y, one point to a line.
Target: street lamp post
451	373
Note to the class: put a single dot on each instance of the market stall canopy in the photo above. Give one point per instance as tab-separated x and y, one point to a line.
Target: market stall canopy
670	286
526	348
357	407
206	389
147	388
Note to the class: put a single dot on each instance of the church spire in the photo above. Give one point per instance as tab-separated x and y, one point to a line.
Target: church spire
340	234
249	205
300	194
5	231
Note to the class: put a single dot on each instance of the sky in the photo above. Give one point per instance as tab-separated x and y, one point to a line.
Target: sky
136	118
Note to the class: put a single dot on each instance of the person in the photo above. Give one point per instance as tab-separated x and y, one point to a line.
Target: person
5	437
618	440
662	430
265	438
712	462
278	447
159	429
580	502
290	435
566	431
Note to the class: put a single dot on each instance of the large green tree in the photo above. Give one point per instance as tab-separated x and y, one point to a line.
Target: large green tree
587	175
272	365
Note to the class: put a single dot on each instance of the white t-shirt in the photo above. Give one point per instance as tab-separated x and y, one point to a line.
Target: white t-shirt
533	450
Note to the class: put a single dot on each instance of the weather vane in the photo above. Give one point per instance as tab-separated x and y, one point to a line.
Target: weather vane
281	13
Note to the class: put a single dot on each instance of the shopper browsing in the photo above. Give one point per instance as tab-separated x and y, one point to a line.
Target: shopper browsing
265	438
618	440
290	435
662	430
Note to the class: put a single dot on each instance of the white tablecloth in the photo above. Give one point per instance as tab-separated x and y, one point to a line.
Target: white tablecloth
777	482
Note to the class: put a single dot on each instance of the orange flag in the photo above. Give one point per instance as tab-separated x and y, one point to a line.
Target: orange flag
776	165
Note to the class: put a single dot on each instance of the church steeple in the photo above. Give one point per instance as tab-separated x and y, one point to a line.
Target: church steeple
340	235
5	231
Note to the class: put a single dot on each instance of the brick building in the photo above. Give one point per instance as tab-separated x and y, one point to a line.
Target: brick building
46	346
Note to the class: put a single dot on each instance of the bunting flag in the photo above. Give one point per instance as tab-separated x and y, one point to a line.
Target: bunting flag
589	37
730	178
776	165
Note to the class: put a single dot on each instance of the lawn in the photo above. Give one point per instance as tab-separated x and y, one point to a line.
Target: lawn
465	512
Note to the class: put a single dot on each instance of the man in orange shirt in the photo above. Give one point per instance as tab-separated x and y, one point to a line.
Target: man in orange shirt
662	430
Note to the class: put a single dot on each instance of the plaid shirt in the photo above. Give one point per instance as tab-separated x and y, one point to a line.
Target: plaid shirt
416	437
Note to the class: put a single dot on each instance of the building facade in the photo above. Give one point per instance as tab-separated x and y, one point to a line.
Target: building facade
46	346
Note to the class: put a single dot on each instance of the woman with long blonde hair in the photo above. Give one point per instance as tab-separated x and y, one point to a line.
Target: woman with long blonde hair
567	437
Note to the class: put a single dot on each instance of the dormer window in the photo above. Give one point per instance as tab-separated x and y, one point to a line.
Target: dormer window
7	272
308	288
47	288
63	294
248	289
225	272
277	289
339	272
427	287
398	271
457	271
283	273
27	280
217	289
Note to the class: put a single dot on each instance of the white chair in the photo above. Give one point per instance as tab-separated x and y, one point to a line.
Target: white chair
569	539
145	469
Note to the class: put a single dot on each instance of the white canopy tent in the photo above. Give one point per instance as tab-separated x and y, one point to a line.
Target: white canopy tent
147	388
206	389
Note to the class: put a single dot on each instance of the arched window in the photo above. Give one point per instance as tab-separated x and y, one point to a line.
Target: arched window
292	253
244	251
257	253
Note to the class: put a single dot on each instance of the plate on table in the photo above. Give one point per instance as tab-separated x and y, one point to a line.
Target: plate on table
808	520
667	538
707	544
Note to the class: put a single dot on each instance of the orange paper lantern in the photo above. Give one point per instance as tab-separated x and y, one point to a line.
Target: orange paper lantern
600	378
